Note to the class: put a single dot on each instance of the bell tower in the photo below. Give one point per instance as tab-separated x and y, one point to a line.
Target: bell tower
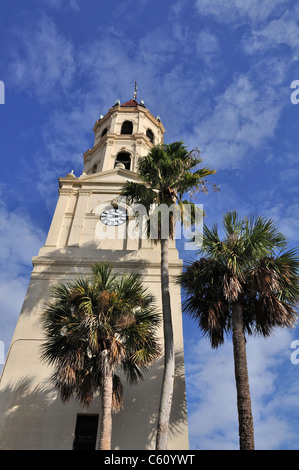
89	226
124	134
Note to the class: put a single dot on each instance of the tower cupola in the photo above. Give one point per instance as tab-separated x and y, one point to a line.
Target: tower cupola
128	131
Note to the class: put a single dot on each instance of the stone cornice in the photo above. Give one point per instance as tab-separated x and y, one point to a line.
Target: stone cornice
126	110
67	184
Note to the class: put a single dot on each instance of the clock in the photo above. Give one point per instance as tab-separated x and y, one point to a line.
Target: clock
114	216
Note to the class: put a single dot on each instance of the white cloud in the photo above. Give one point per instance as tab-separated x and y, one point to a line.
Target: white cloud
165	46
239	11
283	30
244	117
207	46
44	62
20	240
286	217
210	384
67	135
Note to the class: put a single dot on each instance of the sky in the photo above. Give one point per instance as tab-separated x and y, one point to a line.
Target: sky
220	74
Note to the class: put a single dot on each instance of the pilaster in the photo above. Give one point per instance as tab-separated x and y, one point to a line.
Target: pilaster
59	214
79	217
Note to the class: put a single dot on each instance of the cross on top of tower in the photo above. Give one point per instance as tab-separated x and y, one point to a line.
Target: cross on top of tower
133	102
135	92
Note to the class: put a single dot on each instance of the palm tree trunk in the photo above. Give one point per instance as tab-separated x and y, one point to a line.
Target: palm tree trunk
246	431
169	360
106	419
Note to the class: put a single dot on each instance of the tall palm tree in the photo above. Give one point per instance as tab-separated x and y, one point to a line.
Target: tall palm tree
94	327
167	174
244	284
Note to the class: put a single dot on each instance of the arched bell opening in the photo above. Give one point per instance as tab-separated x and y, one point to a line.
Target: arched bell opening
123	158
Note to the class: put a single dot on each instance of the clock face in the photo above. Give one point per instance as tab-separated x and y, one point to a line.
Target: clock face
114	216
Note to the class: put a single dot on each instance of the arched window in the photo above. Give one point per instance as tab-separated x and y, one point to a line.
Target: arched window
104	132
127	127
124	158
150	135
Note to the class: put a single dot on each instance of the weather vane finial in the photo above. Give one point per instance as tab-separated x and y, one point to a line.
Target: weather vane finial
135	92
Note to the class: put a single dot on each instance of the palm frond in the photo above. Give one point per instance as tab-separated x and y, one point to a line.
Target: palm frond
261	237
93	325
244	268
102	276
204	298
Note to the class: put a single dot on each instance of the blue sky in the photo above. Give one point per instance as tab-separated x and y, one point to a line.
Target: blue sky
219	74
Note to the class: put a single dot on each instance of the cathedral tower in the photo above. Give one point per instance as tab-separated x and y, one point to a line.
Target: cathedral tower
88	226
